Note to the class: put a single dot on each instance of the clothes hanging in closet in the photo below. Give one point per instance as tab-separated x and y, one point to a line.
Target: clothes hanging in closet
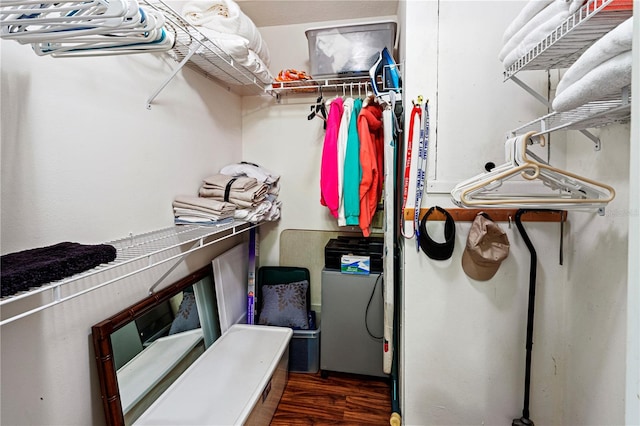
371	136
343	136
352	169
329	171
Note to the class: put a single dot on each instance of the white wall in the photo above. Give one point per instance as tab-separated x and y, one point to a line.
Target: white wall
83	160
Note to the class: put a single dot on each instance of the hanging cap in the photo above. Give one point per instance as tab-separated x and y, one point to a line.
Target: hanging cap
487	246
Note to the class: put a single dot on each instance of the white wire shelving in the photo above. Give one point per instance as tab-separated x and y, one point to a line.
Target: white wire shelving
591	115
351	85
196	51
571	38
560	49
138	252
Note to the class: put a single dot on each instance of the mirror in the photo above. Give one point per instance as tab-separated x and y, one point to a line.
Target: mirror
143	349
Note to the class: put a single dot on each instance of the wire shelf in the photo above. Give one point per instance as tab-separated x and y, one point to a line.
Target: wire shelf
153	248
349	85
593	114
207	58
563	46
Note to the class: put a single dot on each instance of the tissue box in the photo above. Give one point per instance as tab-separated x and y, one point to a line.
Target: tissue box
350	264
349	50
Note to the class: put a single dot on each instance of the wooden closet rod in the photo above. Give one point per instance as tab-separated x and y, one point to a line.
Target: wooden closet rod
499	215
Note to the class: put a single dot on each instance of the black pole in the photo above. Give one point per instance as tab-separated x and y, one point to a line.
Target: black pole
524	420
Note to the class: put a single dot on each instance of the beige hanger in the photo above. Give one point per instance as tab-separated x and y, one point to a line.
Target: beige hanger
531	170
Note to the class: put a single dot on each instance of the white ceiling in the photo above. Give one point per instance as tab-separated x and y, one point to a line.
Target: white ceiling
266	13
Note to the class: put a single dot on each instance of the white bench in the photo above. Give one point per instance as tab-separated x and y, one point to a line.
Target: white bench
237	381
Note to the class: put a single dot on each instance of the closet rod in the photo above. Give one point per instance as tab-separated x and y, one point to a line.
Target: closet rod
498	215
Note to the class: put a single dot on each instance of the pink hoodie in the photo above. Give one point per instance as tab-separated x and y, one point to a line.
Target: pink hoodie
329	167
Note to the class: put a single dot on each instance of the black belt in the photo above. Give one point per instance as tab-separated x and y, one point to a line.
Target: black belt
433	249
228	189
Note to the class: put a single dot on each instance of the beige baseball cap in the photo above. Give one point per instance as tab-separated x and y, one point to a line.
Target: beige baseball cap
487	246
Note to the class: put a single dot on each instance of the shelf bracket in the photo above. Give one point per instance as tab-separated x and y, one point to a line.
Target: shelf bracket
179	260
173	74
532	92
545	102
596	140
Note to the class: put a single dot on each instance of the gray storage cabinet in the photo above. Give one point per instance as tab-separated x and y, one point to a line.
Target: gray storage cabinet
345	344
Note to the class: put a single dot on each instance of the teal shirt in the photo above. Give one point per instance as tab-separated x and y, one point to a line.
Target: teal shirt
352	170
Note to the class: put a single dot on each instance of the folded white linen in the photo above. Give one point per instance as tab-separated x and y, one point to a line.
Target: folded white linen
530	9
250	169
615	42
239	49
265	211
220	181
534	31
605	79
195	220
207	13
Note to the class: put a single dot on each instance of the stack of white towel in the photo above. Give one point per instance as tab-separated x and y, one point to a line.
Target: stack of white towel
536	20
189	209
222	22
602	70
252	189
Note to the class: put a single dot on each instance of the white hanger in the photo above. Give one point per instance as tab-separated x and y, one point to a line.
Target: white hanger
568	190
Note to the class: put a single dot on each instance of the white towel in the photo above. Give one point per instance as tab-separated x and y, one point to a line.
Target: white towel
605	79
250	169
225	16
534	31
530	9
612	44
239	49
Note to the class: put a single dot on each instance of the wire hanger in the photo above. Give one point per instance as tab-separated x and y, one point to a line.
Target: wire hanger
568	190
319	109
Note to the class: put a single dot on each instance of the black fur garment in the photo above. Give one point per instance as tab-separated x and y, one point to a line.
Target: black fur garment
32	268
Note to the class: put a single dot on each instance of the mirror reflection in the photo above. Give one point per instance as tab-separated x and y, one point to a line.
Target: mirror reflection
146	347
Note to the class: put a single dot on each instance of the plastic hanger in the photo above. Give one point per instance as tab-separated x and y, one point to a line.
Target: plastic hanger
564	190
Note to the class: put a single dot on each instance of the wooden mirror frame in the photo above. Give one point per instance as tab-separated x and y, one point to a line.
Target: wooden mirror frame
103	349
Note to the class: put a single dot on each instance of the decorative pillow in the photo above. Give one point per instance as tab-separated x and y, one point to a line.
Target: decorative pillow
187	315
285	305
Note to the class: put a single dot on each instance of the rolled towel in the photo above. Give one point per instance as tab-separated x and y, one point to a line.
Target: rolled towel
534	31
239	49
615	42
605	79
225	16
530	9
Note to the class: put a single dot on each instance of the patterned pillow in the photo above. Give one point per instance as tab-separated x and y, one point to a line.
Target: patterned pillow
285	305
187	315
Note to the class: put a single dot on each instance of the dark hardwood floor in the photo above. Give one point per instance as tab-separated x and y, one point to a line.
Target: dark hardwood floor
339	399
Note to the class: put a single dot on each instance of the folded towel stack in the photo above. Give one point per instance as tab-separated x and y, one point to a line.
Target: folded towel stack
251	188
189	209
535	21
243	191
601	71
222	22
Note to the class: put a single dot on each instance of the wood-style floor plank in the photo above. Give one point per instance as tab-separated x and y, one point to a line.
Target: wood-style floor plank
339	399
